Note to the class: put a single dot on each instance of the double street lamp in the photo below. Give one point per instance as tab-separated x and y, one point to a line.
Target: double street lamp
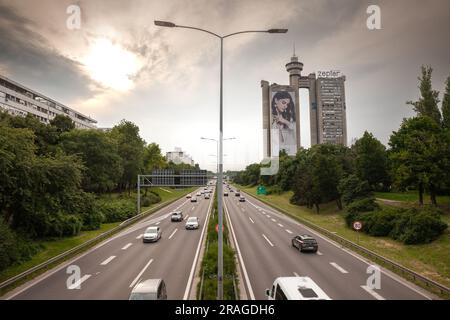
220	144
217	143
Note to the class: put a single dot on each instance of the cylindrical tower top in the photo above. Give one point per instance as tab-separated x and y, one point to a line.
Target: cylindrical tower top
294	67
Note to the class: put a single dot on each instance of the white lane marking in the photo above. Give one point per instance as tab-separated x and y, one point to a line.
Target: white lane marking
139	236
373	293
280	225
158	223
319	253
104	263
244	270
192	208
267	239
296	274
251	220
186	217
194	263
342	270
127	246
79	282
140	273
171	235
274	220
288	231
268	216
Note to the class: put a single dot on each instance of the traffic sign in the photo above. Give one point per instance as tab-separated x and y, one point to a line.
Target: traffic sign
217	228
357	225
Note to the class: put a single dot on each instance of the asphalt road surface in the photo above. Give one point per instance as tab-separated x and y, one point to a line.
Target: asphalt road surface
264	236
112	268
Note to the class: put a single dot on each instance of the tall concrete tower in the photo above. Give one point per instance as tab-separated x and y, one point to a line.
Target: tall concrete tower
295	69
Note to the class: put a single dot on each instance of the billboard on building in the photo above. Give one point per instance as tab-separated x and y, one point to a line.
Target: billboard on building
283	132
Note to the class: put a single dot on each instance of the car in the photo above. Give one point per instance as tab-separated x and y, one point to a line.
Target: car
152	234
151	289
241	199
199	194
305	242
176	216
192	223
207	196
202	192
188	196
231	190
194	199
237	194
225	194
295	288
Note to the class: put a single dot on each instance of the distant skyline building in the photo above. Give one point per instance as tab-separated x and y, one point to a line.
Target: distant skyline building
19	100
281	110
179	156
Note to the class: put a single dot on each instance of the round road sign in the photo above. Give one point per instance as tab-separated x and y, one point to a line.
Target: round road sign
357	225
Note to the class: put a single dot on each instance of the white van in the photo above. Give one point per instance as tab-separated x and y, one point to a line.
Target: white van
152	289
295	288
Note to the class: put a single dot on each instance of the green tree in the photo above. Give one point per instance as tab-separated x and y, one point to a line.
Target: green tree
153	159
371	162
99	153
446	106
428	102
131	150
420	156
352	188
62	123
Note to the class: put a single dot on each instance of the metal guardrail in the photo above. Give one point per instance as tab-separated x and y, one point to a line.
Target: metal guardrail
61	257
374	256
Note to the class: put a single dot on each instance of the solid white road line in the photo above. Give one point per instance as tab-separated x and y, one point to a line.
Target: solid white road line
288	231
79	282
280	225
127	246
139	236
296	274
251	220
171	235
194	263
267	240
140	273
104	263
244	270
342	270
373	293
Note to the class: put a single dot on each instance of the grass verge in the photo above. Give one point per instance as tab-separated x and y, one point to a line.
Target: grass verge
430	260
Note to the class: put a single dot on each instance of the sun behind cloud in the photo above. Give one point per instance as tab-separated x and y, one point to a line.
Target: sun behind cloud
111	65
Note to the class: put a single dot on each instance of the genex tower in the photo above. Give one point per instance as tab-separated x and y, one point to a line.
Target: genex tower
281	110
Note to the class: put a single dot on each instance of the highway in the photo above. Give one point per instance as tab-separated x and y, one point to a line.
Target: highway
112	268
265	252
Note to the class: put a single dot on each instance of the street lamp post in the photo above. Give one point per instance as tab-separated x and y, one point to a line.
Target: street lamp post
220	147
217	143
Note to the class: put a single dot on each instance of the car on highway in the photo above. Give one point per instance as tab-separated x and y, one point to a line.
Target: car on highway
192	223
207	196
194	199
188	196
295	288
225	194
199	194
176	216
241	199
152	289
152	234
305	242
237	194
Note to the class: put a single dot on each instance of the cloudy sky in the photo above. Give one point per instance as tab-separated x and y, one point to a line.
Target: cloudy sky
118	65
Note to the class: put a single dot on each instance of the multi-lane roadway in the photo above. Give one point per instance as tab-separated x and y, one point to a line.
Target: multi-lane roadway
263	244
111	269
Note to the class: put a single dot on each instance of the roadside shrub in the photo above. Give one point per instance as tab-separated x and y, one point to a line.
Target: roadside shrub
116	210
276	189
149	199
363	205
418	226
380	223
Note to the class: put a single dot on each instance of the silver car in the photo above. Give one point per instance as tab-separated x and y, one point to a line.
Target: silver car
152	289
192	223
152	234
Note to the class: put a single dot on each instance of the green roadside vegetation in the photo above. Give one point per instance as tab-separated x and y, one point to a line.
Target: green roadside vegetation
207	287
411	197
431	259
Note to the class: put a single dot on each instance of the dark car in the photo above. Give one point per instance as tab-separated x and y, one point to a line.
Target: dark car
177	216
237	194
305	242
225	194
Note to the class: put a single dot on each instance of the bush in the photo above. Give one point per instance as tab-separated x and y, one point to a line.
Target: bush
276	189
149	199
363	205
380	223
418	226
116	210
